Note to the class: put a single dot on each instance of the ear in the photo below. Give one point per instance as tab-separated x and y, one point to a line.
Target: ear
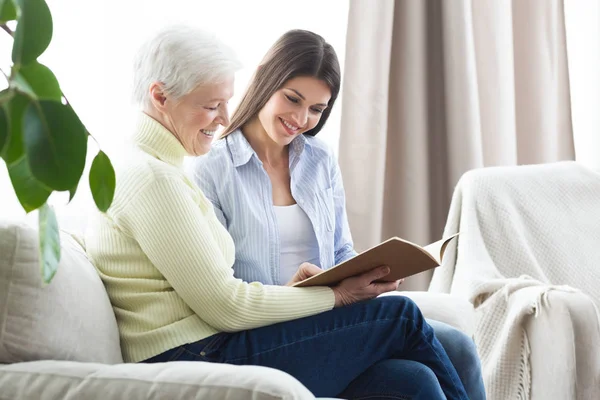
157	96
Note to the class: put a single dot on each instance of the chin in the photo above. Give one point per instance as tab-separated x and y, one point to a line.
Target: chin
286	140
200	151
282	138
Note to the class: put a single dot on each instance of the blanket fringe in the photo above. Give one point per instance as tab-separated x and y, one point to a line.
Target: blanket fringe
524	388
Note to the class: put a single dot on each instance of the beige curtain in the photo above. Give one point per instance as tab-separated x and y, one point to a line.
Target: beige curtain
433	88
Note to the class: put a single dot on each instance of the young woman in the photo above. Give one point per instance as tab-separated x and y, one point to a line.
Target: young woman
278	189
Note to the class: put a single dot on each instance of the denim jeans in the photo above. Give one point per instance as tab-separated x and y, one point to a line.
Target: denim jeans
463	354
381	348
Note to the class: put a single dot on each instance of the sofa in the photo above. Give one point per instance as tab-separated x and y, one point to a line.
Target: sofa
60	341
527	259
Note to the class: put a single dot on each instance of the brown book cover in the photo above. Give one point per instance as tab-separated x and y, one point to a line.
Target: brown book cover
403	257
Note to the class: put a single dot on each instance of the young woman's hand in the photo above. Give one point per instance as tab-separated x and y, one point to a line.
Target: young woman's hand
305	271
363	287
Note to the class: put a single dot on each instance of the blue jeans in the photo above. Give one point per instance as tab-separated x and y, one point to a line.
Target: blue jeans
381	348
463	354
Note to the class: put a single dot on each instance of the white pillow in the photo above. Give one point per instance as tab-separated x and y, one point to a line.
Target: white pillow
69	319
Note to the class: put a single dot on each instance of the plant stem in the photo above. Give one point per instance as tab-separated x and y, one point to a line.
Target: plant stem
7	29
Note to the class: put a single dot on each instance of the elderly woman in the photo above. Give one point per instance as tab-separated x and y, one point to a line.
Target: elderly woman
166	260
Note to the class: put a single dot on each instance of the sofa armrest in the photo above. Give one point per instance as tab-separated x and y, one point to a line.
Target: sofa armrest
450	309
54	380
564	338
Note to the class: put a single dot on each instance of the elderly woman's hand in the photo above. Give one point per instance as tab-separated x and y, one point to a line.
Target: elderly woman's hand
305	271
363	287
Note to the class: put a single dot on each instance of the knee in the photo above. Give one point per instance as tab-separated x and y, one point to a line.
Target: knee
460	347
426	383
466	346
396	378
423	375
403	304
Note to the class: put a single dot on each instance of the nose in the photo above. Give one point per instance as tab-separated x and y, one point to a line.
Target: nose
223	116
301	117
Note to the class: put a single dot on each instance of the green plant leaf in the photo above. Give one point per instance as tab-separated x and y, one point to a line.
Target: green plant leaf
6	95
31	193
16	111
38	81
55	143
72	193
49	242
4	128
8	11
33	33
102	181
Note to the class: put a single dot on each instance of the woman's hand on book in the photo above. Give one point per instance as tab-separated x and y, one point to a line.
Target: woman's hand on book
363	287
305	271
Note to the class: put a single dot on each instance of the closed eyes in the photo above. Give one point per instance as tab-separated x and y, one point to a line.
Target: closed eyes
295	100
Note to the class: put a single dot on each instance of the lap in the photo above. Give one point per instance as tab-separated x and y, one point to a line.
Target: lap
326	351
362	321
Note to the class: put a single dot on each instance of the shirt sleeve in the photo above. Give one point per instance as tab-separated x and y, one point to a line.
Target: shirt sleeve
178	237
343	245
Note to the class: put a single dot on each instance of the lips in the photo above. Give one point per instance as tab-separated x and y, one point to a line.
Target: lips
208	133
290	128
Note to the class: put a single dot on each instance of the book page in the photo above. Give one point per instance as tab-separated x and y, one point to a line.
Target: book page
437	249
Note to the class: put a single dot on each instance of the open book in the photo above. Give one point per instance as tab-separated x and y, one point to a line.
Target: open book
403	257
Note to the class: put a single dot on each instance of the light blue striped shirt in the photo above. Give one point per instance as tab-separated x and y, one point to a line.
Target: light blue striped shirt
232	177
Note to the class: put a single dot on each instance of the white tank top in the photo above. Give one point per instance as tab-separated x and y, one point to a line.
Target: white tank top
298	242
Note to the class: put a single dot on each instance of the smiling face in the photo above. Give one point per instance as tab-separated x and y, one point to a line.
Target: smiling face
294	109
195	117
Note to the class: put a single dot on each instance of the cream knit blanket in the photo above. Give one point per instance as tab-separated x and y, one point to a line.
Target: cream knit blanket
525	231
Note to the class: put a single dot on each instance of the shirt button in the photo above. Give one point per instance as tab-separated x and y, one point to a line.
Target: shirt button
202	353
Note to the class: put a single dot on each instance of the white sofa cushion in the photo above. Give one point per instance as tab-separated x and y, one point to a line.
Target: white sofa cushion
69	319
54	380
447	308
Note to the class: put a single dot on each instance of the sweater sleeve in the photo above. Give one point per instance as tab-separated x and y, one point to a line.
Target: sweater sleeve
178	237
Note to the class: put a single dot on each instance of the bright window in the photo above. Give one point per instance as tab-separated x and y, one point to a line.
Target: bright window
582	22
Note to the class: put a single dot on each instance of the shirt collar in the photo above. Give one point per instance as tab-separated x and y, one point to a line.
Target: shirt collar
240	148
153	138
242	151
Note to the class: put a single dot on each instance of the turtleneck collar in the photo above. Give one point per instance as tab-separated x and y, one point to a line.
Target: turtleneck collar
153	138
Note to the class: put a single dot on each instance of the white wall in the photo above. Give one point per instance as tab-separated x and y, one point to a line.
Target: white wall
94	42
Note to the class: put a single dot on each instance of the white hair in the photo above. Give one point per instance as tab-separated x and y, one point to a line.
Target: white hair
181	58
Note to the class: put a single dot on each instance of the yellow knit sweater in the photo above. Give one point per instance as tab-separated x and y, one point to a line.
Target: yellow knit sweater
166	260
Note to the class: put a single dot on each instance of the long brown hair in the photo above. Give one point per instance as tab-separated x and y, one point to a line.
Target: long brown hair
295	53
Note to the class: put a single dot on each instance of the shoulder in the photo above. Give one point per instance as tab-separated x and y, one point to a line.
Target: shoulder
141	175
208	169
145	168
321	151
